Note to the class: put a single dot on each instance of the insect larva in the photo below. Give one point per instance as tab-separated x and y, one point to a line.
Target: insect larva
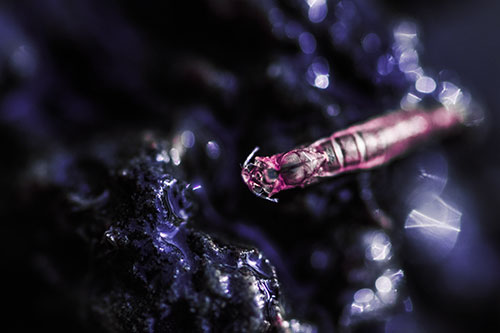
359	147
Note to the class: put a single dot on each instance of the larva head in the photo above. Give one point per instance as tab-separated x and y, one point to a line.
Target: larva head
261	176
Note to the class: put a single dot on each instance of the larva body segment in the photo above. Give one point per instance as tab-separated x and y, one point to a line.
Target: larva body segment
359	147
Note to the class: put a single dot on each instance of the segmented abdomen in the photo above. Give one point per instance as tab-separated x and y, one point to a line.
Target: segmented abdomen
364	146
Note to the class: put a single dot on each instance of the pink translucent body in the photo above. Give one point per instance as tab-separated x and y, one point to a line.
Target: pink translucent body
359	147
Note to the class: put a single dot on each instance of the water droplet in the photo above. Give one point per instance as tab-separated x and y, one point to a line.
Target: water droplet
385	64
364	295
383	284
451	95
187	139
321	81
379	247
317	10
333	110
319	259
406	34
408	61
163	157
425	85
371	43
307	42
213	150
345	10
339	32
174	154
23	61
275	16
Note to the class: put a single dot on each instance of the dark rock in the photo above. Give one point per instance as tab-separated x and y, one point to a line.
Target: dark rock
142	263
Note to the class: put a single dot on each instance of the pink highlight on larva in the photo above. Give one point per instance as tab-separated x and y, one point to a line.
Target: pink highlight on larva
359	147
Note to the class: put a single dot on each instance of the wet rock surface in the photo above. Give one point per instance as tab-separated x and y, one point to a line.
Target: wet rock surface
138	260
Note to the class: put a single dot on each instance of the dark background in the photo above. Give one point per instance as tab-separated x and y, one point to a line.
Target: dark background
103	69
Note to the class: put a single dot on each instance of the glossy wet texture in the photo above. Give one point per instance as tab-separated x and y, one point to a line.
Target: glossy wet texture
123	128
